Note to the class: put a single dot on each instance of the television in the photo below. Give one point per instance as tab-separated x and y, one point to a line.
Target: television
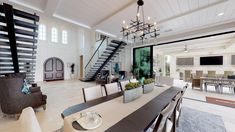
211	60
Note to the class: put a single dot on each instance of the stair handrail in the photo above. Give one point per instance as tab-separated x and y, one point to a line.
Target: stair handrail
105	37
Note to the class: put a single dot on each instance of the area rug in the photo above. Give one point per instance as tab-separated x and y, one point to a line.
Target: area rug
197	121
223	102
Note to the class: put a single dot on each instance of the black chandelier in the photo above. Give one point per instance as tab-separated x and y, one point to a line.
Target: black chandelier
139	28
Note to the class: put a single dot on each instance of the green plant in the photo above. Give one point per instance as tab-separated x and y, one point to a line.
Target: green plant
148	81
130	86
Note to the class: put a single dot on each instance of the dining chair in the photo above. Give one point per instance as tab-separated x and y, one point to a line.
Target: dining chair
91	93
214	82
178	107
196	79
123	84
227	84
166	81
111	88
228	73
211	73
199	74
163	123
134	80
187	75
184	89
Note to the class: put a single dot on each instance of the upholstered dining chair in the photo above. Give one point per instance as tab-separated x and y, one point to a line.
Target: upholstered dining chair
187	75
199	74
28	121
228	73
211	73
196	79
134	80
112	88
123	84
166	81
91	93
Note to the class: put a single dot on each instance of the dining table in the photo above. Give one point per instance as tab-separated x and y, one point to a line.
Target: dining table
117	116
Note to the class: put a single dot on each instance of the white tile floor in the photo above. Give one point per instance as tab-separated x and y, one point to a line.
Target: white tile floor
62	94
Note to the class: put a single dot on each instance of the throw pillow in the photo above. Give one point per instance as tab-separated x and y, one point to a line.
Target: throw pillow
25	88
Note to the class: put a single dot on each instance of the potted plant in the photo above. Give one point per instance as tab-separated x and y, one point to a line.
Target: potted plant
148	85
132	91
72	71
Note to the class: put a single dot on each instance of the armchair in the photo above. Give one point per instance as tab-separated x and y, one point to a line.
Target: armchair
102	79
13	101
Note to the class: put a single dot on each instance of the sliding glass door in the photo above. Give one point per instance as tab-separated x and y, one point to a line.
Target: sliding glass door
143	62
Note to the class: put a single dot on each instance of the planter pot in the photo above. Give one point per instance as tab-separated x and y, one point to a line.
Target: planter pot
130	95
148	88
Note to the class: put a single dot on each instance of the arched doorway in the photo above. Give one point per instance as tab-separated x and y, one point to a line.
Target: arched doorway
53	69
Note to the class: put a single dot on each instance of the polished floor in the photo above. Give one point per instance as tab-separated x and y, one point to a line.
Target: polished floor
62	94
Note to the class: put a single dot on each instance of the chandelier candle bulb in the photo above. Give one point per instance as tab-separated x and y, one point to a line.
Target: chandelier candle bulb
149	18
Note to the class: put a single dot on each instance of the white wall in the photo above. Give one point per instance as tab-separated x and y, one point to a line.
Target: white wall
79	43
46	49
218	68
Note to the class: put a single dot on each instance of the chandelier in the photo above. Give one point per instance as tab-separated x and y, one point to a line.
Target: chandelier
139	28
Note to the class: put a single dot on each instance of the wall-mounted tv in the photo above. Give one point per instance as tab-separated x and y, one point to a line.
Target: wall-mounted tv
211	60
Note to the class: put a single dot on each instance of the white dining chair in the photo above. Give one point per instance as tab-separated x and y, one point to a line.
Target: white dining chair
123	84
91	93
166	81
112	88
133	80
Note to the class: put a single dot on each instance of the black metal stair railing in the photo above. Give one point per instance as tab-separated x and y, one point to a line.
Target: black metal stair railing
100	60
96	51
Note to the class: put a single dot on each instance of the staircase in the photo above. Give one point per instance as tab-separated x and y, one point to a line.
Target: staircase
106	52
18	41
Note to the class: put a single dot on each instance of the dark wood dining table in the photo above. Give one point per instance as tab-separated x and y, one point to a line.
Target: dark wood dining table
138	120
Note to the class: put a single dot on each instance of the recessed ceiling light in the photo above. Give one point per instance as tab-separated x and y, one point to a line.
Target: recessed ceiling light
220	14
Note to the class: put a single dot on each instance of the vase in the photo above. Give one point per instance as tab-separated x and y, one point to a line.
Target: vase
132	94
148	88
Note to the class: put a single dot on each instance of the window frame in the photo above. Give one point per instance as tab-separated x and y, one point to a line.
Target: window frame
64	37
42	32
54	35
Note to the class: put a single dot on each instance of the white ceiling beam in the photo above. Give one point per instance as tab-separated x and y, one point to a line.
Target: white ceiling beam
230	44
196	47
195	43
226	26
51	6
192	51
192	11
113	14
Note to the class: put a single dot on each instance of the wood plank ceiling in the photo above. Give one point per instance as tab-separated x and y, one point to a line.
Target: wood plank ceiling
173	16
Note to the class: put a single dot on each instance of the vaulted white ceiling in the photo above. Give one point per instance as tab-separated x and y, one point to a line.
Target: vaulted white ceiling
172	16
